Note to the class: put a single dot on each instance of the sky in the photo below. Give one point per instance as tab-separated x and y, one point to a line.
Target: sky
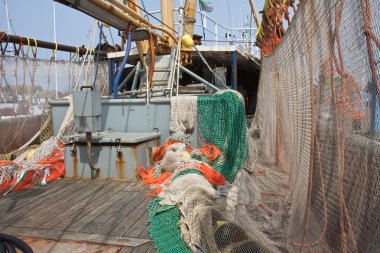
34	18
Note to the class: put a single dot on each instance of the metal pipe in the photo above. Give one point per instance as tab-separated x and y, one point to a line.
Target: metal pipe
152	62
89	156
124	82
198	78
141	19
4	37
121	67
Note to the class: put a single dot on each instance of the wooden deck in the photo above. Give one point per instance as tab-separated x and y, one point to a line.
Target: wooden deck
88	211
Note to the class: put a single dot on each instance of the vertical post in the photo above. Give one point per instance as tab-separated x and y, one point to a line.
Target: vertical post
233	71
54	56
167	17
111	75
190	7
254	12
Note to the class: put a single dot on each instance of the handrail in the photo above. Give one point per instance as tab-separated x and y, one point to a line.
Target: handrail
219	31
211	19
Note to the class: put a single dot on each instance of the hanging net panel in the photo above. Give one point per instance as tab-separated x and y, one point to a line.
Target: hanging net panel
316	132
28	153
310	180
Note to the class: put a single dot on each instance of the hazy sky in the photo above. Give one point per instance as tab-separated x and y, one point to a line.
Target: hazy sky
34	18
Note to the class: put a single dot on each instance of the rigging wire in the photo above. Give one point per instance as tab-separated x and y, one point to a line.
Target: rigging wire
209	68
229	11
98	53
113	43
153	17
142	1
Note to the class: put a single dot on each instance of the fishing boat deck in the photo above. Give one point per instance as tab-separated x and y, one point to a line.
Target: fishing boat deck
102	212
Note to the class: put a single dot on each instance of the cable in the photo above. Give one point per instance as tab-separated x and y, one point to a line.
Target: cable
142	1
153	17
98	53
113	43
208	66
229	12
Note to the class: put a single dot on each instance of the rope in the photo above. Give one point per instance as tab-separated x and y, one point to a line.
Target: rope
209	68
160	21
98	53
34	51
3	50
367	19
54	51
17	50
27	49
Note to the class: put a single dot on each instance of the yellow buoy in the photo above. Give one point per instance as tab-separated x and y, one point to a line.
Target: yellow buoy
187	41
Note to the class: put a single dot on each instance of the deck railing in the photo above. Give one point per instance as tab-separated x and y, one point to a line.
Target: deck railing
213	33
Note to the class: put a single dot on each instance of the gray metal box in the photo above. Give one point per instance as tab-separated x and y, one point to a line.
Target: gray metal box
116	154
87	110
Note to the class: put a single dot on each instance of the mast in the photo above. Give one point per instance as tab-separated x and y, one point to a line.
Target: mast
167	17
254	12
190	8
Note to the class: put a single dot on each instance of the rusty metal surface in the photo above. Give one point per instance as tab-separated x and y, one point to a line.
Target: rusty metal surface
116	160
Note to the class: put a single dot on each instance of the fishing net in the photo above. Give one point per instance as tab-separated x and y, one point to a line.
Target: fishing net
26	85
29	155
222	123
314	143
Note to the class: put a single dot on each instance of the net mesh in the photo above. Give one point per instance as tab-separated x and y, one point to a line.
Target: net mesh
29	155
222	123
314	143
25	87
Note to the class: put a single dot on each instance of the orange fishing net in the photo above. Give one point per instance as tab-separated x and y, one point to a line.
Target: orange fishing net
157	179
23	175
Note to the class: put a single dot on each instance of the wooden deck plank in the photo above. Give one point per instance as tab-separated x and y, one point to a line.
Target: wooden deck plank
136	186
129	220
126	250
114	221
53	211
97	223
88	210
124	212
47	206
91	211
69	212
12	202
96	212
139	227
75	236
145	233
13	216
143	248
152	248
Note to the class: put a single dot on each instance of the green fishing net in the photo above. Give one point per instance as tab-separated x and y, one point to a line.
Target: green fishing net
222	122
164	228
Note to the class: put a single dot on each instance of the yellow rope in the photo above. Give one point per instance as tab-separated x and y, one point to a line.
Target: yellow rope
36	47
55	50
27	49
